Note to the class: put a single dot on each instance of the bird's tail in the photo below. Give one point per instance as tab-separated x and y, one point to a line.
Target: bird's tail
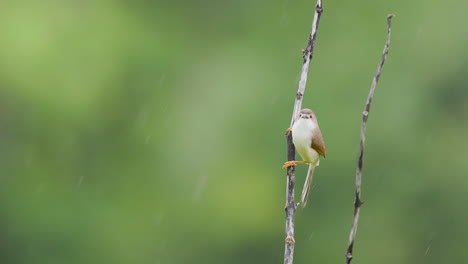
307	185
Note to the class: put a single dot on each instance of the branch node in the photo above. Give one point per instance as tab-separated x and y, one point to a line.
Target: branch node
358	202
290	240
299	95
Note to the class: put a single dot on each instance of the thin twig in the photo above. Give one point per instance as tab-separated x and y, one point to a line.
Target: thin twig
290	207
365	115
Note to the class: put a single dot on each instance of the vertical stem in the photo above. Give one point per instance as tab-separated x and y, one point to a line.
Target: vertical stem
290	207
365	115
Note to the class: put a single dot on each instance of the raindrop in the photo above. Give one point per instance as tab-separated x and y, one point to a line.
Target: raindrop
199	188
147	140
311	235
429	244
428	248
80	181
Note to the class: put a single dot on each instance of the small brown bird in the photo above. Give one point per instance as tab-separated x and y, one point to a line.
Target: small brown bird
308	142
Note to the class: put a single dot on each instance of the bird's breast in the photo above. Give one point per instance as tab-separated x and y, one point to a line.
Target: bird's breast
302	132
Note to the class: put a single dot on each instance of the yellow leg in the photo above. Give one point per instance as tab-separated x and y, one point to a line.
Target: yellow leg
293	162
289	129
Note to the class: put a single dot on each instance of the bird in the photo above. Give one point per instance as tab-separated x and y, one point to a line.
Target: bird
308	141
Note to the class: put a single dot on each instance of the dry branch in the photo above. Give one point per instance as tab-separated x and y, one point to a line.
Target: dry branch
365	115
290	207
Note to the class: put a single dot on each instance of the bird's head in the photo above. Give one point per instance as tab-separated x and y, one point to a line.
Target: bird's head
307	114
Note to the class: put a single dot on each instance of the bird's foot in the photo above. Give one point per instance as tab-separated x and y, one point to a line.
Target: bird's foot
288	164
289	129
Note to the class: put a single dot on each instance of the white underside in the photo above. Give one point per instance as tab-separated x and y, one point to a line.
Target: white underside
302	132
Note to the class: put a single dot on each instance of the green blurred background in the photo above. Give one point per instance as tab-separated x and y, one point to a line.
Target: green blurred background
153	132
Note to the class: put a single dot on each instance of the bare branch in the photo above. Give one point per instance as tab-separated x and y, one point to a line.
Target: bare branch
307	55
365	115
290	207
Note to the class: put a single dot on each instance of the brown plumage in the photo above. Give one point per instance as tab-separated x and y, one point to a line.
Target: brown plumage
317	140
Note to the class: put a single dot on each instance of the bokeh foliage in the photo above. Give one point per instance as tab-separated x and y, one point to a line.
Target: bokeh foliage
153	131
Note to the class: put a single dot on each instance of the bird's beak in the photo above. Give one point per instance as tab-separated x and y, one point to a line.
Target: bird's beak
305	116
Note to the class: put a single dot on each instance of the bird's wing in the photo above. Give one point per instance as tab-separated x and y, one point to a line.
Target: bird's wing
317	142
